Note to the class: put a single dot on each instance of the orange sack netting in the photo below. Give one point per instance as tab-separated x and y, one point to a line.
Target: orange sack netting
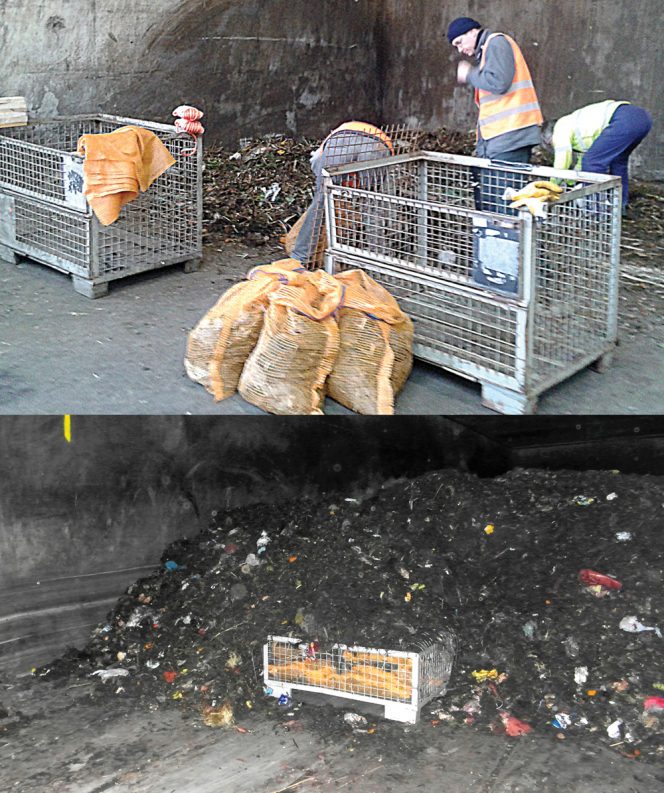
297	348
289	239
376	350
221	342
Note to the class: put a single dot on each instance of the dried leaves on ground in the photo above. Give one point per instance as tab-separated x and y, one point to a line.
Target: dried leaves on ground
256	192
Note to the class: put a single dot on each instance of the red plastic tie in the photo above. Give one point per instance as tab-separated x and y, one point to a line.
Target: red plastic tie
593	578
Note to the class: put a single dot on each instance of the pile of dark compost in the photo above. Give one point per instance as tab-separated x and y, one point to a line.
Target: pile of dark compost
496	561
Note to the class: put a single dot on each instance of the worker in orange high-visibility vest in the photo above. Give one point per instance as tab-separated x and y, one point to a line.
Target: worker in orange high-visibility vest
509	115
353	141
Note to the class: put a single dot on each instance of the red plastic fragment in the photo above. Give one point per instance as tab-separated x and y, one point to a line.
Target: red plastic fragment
169	677
593	578
514	726
653	704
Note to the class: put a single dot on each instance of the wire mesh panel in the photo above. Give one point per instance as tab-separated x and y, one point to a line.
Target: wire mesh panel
345	146
536	299
575	280
460	329
160	227
59	234
400	681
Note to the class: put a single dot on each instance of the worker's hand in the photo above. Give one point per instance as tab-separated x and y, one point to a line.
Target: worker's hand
463	69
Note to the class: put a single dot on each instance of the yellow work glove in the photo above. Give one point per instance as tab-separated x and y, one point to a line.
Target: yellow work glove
534	205
533	197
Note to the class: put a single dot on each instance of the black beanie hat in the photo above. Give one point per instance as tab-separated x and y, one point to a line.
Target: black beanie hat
461	25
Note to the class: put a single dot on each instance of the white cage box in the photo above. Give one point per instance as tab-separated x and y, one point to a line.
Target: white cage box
401	682
514	302
44	214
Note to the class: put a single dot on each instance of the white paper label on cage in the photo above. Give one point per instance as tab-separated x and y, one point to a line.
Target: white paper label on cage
499	254
72	178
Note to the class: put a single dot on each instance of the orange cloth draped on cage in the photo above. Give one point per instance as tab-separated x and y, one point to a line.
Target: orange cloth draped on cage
118	165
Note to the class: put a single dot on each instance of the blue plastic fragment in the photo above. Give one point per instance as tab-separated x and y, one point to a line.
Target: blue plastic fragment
171	565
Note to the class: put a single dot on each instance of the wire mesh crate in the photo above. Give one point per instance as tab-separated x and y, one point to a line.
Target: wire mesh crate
44	215
401	682
344	147
514	302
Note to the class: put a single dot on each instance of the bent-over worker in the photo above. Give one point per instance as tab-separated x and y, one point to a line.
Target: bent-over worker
598	138
353	141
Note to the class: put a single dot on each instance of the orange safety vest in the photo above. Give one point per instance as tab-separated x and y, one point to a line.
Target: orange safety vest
365	128
515	109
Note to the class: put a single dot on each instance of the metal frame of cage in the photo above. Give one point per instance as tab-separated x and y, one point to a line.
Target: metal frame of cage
44	215
401	682
545	310
342	149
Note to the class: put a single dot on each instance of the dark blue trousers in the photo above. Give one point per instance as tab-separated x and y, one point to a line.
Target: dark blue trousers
610	152
492	184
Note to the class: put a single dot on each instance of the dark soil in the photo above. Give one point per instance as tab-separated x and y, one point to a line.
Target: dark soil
346	570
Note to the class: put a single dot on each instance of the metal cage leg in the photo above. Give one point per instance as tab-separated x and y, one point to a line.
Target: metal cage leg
603	362
192	265
509	402
89	288
8	255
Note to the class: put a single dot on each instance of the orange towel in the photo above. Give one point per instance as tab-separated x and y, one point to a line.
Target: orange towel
117	165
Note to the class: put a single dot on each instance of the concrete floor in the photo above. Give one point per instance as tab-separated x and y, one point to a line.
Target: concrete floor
63	353
68	743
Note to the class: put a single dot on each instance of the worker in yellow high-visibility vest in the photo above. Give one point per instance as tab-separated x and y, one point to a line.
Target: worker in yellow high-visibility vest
353	141
598	138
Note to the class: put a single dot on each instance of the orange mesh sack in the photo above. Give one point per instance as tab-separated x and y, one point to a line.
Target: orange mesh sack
290	238
219	345
297	348
376	347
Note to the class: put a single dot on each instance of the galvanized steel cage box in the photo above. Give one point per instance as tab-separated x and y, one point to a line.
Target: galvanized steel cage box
514	302
44	215
401	682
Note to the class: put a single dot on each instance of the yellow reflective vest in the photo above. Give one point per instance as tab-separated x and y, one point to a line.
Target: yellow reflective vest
574	134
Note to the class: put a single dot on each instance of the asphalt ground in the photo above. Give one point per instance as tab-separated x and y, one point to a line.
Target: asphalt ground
123	354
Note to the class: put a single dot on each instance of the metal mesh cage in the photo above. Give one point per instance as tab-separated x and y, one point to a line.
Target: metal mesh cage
344	147
471	332
400	681
41	180
493	293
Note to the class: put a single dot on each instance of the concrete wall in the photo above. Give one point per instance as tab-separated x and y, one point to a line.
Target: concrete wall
254	66
299	67
80	521
579	51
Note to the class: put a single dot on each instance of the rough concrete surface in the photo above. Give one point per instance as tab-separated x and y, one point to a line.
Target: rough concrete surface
579	52
254	66
260	66
66	743
62	353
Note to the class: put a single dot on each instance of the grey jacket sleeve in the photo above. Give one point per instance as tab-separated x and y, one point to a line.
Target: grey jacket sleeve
498	71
